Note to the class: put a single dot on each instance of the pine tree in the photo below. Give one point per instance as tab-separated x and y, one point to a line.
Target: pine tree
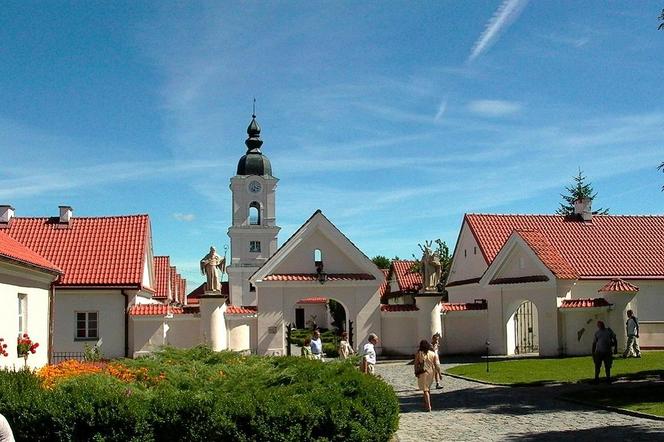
580	189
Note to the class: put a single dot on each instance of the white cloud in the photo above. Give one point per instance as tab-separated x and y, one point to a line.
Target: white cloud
494	108
441	110
186	217
505	15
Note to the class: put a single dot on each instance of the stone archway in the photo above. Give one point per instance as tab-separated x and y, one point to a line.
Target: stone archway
522	329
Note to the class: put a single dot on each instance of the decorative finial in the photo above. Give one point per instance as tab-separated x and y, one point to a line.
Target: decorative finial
253	114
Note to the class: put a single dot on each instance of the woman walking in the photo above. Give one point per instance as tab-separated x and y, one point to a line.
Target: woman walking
425	366
345	350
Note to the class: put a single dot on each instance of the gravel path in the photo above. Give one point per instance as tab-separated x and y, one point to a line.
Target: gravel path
470	411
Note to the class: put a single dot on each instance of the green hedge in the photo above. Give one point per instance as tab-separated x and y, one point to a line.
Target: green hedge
206	396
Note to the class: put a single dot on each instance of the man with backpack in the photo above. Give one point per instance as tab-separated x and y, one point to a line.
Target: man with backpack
632	326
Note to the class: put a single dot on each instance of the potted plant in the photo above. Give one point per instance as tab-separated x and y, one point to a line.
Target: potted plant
25	347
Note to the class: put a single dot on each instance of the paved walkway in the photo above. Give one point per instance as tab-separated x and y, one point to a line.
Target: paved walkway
469	411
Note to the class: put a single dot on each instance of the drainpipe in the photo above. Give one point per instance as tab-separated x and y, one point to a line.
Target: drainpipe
126	323
51	321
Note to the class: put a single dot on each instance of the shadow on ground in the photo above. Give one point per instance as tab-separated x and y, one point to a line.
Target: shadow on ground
523	401
622	433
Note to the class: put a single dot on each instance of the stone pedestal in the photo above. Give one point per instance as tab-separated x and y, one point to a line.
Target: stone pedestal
429	321
213	323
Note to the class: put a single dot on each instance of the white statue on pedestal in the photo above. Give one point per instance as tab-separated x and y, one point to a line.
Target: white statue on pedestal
430	268
209	265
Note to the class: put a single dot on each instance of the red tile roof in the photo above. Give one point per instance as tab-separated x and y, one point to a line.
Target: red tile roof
174	284
398	308
194	296
162	271
14	250
314	277
584	303
241	310
384	289
548	254
609	246
100	251
618	285
183	290
407	280
313	300
520	279
463	306
154	310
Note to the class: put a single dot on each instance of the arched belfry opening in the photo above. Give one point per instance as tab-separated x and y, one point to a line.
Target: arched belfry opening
254	214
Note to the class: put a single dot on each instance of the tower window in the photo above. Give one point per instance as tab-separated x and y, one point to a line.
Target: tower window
254	214
252	288
255	246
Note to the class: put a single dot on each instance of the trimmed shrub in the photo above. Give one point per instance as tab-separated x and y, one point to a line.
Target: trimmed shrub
203	395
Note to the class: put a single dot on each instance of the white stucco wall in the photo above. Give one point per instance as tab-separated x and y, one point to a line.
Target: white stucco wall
465	332
578	327
399	333
110	305
148	333
468	259
277	301
301	259
241	332
15	280
318	310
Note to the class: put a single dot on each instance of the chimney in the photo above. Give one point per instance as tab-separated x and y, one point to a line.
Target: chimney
583	208
66	212
6	214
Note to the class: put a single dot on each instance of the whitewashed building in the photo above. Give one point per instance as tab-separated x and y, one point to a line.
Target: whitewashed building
539	283
25	281
107	266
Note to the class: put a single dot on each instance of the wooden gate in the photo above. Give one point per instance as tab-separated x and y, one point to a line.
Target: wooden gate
525	323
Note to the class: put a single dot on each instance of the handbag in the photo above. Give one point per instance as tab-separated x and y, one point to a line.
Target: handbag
419	366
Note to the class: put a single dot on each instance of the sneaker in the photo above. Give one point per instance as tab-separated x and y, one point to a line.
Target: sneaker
438	387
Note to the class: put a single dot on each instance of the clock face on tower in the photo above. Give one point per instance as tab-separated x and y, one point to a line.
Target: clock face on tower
255	187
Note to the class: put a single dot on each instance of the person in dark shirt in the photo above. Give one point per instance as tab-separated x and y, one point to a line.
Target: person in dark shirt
602	346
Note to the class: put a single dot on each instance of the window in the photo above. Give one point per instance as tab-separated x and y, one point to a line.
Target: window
255	246
318	256
252	288
86	325
474	250
22	313
254	214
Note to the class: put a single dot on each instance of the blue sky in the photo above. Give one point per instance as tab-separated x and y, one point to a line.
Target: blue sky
394	118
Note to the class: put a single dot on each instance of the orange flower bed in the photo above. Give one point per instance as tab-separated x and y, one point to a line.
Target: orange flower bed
51	374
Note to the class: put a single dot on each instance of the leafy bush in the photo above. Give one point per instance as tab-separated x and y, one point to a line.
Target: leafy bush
203	395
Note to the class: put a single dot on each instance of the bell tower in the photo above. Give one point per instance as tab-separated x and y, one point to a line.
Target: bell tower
253	232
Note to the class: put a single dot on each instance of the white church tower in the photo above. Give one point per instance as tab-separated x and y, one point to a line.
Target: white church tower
254	231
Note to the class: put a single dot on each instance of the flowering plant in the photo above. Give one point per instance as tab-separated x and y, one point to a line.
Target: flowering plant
25	346
3	348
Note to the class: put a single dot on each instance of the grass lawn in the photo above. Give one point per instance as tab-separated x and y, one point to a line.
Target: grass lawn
572	369
642	398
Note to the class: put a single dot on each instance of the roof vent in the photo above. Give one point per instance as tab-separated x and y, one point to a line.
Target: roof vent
6	214
66	212
583	208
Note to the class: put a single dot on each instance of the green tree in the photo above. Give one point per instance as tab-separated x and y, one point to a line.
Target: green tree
381	261
578	190
661	25
661	166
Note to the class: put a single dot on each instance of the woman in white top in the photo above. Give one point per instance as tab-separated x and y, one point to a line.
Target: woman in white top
435	346
425	366
345	350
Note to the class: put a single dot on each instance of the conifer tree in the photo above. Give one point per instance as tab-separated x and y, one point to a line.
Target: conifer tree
580	189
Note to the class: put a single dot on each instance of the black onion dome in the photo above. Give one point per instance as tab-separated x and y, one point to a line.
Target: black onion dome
254	162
